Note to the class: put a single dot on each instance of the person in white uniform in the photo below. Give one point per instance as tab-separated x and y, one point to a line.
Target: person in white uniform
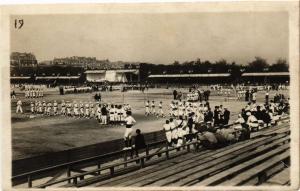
167	129
147	109
55	108
130	121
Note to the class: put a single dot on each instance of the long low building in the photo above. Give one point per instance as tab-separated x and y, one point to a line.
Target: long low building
116	75
211	78
190	78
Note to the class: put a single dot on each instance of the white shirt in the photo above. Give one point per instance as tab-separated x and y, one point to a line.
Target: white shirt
130	120
19	102
167	127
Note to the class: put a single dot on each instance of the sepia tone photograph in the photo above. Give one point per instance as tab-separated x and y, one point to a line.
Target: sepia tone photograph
158	99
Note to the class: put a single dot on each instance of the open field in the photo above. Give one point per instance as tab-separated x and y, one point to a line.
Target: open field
40	135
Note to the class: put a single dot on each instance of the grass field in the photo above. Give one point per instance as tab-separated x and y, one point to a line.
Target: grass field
40	135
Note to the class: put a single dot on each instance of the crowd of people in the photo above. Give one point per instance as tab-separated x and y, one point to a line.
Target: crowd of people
196	121
104	113
74	89
34	93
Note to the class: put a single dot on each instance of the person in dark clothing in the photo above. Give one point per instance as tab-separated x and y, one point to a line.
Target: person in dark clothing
99	97
104	113
190	124
96	97
258	113
247	96
139	142
208	116
266	117
216	116
226	116
205	95
267	97
174	94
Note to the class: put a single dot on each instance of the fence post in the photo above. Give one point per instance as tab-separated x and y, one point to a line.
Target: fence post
147	152
142	162
99	166
69	174
125	159
112	171
195	146
167	152
75	180
29	180
131	154
188	147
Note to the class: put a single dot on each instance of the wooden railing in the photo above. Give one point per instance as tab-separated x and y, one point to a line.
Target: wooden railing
30	176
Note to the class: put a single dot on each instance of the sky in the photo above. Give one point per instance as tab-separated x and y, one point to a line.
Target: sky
156	38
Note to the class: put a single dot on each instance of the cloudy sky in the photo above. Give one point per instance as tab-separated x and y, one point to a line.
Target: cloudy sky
156	38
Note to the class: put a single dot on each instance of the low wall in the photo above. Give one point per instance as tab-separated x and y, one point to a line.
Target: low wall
34	163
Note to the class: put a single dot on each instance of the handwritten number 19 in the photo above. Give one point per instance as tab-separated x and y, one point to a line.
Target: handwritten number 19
19	23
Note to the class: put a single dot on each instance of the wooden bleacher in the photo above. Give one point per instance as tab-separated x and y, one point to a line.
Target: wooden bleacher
249	162
259	160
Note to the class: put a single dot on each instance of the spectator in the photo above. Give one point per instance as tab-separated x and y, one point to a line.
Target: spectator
168	132
216	116
226	116
139	142
174	94
208	116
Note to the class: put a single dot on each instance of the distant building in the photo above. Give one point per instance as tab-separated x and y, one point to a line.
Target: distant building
75	61
19	60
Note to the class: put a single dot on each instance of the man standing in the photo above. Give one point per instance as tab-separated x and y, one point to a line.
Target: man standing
168	132
247	94
267	97
55	107
226	116
104	115
130	121
139	142
174	94
216	116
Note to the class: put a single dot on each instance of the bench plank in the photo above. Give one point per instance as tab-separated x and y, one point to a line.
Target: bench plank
182	179
281	178
216	179
243	177
202	162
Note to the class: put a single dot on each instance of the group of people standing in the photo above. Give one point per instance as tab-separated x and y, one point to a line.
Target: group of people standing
150	109
34	93
104	113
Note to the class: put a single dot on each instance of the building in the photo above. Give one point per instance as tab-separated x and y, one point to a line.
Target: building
113	75
20	60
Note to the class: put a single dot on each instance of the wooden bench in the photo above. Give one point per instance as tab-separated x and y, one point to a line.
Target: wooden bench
258	171
218	164
281	178
184	169
236	170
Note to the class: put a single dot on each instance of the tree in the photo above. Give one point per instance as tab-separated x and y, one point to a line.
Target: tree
280	66
258	65
176	63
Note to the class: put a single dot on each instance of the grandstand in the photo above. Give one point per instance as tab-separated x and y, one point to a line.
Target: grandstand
262	160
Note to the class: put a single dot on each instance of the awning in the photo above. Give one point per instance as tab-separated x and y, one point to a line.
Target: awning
56	77
188	75
19	77
116	70
267	74
94	71
127	71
